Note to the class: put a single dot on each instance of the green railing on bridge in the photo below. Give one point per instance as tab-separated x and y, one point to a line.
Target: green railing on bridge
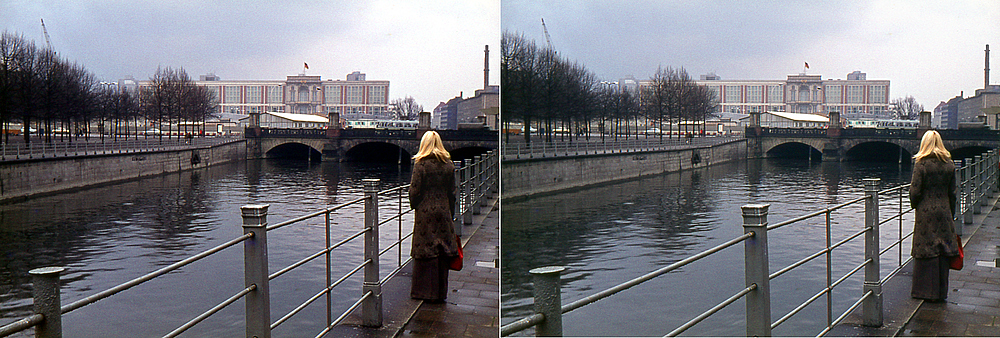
895	133
448	135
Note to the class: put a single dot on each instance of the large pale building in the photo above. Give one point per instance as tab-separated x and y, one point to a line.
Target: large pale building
353	98
855	98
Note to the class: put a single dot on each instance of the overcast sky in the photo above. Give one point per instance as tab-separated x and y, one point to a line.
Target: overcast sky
431	50
932	50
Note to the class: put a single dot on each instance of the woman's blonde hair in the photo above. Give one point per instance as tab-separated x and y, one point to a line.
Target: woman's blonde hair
931	144
430	144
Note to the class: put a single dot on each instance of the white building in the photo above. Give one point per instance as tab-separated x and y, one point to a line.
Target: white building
854	98
354	98
790	120
289	121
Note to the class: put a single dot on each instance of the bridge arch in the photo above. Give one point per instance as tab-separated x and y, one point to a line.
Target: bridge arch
291	148
378	151
795	150
880	151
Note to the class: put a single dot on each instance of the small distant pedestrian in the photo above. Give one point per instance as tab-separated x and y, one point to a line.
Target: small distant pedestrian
932	195
432	196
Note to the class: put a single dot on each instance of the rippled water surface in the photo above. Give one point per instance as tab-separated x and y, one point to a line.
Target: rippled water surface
609	234
108	235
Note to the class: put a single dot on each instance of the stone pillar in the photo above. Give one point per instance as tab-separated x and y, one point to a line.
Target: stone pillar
424	121
834	126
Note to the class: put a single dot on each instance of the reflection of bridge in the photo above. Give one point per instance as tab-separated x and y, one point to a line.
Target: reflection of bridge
862	143
360	143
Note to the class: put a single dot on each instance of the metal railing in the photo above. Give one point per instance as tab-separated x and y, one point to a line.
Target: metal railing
977	182
477	181
513	151
40	150
480	182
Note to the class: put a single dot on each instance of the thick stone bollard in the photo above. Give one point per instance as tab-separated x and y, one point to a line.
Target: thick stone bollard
548	300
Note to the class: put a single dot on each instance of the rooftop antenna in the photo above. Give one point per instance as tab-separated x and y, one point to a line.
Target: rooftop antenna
46	33
548	39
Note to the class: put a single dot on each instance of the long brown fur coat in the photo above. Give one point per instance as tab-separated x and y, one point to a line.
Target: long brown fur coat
932	195
432	196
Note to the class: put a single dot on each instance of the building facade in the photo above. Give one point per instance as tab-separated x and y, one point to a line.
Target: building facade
854	98
353	98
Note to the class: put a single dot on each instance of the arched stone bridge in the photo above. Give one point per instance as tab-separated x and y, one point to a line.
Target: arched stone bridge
839	144
347	143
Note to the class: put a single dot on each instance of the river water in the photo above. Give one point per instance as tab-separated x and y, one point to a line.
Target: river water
108	235
608	234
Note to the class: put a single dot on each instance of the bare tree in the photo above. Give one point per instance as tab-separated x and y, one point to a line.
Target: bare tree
405	109
905	108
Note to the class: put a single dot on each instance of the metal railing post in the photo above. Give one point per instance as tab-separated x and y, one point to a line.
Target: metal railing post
872	306
371	308
967	191
756	269
480	183
468	192
548	300
258	302
47	301
981	181
457	214
958	201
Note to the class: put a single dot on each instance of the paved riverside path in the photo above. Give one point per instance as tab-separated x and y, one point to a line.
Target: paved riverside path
471	310
973	304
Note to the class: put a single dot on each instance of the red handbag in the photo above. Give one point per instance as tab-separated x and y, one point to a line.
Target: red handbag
957	261
456	264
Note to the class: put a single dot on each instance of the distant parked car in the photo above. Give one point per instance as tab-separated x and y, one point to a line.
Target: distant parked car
653	131
152	131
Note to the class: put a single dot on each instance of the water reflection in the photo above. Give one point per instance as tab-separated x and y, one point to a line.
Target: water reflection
609	234
110	234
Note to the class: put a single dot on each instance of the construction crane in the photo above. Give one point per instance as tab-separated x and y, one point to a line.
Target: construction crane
46	33
548	39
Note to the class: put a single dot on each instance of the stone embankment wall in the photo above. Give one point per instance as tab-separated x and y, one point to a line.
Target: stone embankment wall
26	178
523	178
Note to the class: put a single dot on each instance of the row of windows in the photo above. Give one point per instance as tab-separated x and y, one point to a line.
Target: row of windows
774	94
331	94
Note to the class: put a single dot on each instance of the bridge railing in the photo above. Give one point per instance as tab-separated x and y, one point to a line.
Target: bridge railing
478	181
514	151
40	150
979	183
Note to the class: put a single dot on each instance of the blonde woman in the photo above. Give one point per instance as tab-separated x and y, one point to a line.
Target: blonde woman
932	195
432	196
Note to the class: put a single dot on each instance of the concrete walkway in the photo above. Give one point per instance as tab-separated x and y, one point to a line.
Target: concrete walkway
973	304
473	307
471	310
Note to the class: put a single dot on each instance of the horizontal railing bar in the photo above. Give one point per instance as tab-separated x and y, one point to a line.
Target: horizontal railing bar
320	294
608	292
898	187
820	294
21	324
395	271
317	213
895	243
396	243
121	287
399	215
799	308
817	254
341	318
711	311
896	270
394	189
522	324
315	255
210	312
815	213
844	315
